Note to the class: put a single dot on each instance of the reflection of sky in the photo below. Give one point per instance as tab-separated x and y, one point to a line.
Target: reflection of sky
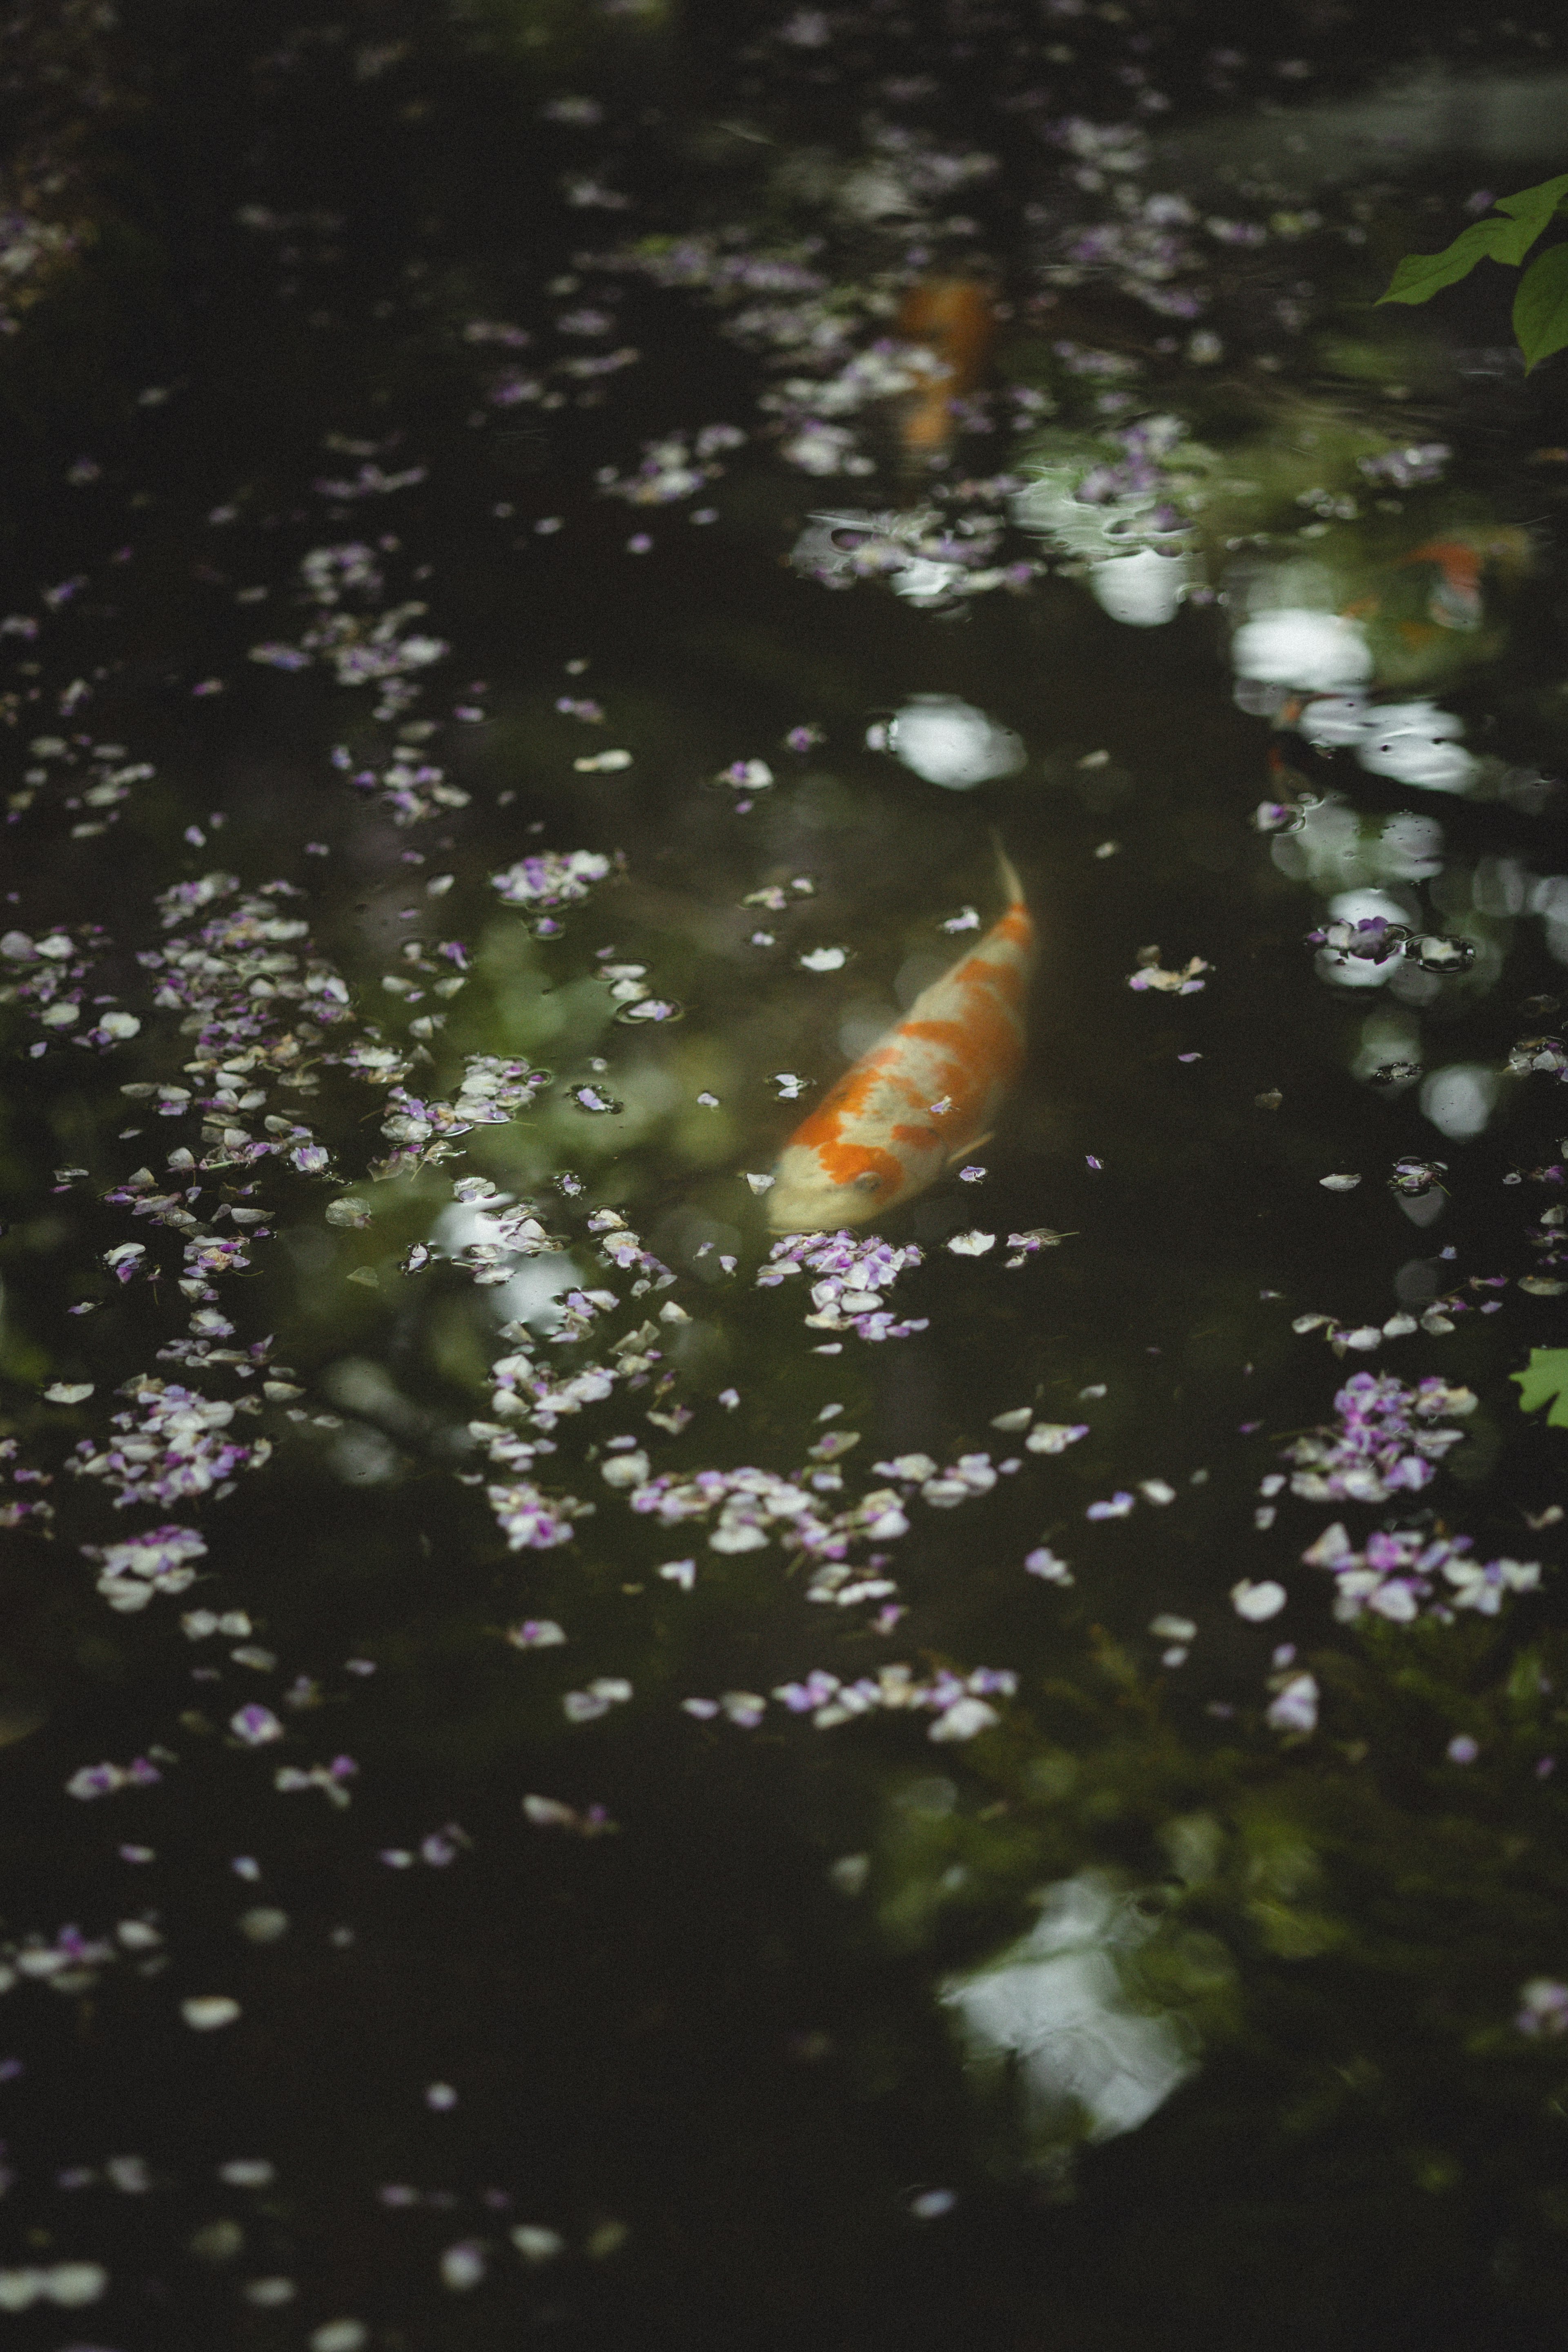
527	1294
1056	2004
949	742
1143	589
1413	743
1460	1100
1305	649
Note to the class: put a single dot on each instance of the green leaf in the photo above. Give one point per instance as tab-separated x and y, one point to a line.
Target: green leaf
1546	1375
1537	204
1541	307
1421	275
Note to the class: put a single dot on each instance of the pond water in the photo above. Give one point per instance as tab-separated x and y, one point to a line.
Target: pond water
582	1768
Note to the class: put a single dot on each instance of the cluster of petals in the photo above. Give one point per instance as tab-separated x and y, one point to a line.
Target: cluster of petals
959	1702
852	1274
70	1962
1387	1440
531	1520
160	1561
174	1447
1404	1573
551	877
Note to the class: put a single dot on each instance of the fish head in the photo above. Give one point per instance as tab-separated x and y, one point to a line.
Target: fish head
810	1196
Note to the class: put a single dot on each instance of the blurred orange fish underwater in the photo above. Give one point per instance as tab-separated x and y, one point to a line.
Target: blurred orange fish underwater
957	317
921	1096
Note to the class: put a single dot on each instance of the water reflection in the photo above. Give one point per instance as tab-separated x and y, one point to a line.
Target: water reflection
1088	2059
951	743
1319	652
1143	591
1460	1099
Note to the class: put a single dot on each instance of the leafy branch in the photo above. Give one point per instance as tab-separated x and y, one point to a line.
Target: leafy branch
1540	305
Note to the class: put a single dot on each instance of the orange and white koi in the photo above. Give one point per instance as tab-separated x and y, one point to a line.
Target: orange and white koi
922	1096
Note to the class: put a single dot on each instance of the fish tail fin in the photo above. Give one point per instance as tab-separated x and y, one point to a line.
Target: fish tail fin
1008	874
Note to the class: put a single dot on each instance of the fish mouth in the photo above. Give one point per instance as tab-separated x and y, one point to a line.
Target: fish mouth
809	1212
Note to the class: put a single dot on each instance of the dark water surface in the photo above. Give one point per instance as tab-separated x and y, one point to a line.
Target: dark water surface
1117	1942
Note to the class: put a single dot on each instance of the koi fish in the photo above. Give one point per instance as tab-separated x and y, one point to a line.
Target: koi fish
1456	601
955	318
921	1096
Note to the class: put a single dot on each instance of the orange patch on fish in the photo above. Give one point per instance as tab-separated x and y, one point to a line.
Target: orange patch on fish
956	319
923	1095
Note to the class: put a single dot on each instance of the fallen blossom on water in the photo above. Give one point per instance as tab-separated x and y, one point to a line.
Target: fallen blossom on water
1295	1707
853	1276
529	1520
963	1720
1258	1602
824	960
744	1709
255	1726
601	1695
747	775
104	1779
205	2012
1150	974
1118	1508
176	1446
1027	1244
536	1633
1386	1442
68	2285
1054	1436
551	877
1543	2008
1044	1562
959	1702
68	1391
973	1243
1422	462
329	1777
1172	1629
550	1813
160	1560
1339	1183
1402	1573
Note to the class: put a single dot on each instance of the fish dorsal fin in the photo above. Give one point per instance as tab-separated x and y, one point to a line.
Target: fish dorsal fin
1008	874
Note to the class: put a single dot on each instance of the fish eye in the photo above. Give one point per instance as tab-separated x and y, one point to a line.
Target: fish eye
868	1181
